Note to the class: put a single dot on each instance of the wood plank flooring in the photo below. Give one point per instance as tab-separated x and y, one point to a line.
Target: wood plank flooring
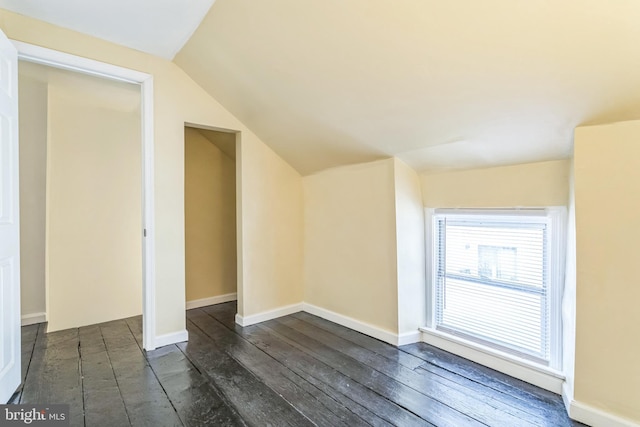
299	370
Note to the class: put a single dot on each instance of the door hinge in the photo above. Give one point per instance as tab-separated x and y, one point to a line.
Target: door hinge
145	232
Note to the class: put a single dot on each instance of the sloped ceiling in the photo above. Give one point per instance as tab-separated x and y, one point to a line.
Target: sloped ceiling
441	84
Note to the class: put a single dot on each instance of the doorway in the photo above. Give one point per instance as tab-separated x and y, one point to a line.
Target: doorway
210	217
80	175
36	54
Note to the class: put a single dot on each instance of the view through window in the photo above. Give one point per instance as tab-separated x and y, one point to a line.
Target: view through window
492	282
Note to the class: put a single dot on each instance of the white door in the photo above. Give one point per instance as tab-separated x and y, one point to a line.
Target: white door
9	223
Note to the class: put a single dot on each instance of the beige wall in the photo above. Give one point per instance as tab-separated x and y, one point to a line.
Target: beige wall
607	185
271	245
531	184
265	256
33	162
410	244
350	243
94	217
364	244
210	216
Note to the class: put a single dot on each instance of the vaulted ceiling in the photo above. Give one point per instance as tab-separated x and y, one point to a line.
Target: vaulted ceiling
440	84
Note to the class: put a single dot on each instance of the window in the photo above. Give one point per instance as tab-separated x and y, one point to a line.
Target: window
496	280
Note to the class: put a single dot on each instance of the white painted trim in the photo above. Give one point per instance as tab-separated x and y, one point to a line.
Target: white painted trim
172	338
554	217
540	376
53	58
567	396
66	61
268	315
239	227
409	338
33	318
197	303
348	322
351	323
556	242
148	218
595	417
431	261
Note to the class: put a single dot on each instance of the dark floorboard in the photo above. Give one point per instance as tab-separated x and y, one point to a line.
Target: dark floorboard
299	370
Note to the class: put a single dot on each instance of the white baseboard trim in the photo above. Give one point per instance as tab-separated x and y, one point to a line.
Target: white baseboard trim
594	417
33	318
172	338
268	315
533	374
567	396
409	338
351	323
219	299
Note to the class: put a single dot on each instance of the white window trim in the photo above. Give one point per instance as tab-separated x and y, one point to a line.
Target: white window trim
550	378
533	373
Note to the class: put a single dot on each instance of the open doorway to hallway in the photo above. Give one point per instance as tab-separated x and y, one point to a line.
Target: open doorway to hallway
210	217
80	193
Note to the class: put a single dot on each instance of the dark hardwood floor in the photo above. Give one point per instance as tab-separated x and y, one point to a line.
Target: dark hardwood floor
298	370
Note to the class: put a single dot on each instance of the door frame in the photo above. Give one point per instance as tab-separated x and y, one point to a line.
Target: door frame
65	61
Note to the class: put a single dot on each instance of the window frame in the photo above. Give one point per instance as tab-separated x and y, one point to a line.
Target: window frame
556	236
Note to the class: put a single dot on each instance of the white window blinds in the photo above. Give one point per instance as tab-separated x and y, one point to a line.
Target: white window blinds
492	281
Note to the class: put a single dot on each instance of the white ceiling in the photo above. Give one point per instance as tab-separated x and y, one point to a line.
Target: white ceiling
159	27
440	84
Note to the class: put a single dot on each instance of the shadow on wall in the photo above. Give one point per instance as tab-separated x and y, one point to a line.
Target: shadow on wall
210	217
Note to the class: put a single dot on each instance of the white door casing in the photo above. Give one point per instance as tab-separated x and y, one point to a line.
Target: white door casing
65	61
9	223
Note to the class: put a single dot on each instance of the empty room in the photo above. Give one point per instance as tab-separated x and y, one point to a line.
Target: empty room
329	213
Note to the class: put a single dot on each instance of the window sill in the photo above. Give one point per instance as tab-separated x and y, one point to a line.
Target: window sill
538	375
